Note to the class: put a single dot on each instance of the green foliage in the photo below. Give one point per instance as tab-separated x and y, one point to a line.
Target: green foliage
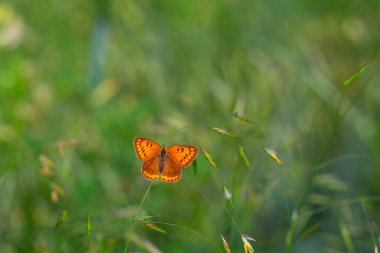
80	79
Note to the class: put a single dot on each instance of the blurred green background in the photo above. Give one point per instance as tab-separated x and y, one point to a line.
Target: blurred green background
80	79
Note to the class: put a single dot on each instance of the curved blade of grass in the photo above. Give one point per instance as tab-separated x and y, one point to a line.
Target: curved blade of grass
138	214
314	171
209	158
244	156
223	132
189	230
225	245
243	119
330	182
224	207
355	75
62	218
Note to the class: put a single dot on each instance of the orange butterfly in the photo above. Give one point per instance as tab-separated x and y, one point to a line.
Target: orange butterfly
163	162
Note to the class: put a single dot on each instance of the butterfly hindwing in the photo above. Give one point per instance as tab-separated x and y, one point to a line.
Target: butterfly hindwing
171	172
150	168
182	155
145	148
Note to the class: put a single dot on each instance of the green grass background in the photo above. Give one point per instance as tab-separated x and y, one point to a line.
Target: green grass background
103	72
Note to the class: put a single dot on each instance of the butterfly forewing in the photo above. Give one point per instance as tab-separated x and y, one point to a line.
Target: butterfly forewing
182	155
145	148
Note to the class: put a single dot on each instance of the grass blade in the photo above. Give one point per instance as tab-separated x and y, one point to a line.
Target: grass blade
273	154
227	194
355	75
244	156
209	158
248	237
154	227
223	132
62	218
247	245
88	226
346	237
225	245
308	231
243	119
291	230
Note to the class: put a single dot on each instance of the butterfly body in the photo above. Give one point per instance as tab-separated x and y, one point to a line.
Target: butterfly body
162	156
161	161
